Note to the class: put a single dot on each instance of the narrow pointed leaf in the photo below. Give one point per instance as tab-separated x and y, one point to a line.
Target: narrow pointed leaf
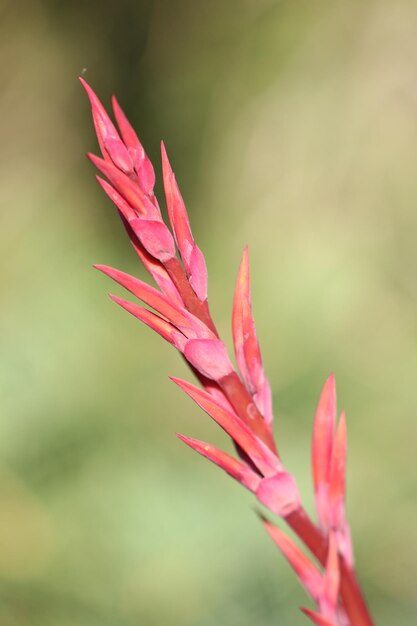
191	255
323	433
177	212
306	571
188	324
162	327
246	344
324	423
150	296
257	451
124	207
338	474
238	470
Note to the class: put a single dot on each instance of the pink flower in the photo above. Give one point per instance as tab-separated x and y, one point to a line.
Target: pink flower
239	401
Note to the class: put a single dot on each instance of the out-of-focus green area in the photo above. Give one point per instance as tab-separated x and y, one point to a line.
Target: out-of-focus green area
292	126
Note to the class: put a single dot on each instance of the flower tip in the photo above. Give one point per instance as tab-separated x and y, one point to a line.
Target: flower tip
114	298
93	158
84	83
94	101
166	166
115	102
101	268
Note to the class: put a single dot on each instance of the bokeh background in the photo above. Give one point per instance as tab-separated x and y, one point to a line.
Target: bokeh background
292	126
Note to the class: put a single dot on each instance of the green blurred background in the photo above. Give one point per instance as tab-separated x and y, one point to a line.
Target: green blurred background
292	126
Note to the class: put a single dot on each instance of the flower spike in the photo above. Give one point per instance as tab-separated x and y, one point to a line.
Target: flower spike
241	406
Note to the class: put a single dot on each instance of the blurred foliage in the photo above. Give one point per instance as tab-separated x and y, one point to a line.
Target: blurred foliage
292	126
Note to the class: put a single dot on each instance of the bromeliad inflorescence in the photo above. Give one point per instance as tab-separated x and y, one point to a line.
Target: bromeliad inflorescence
239	401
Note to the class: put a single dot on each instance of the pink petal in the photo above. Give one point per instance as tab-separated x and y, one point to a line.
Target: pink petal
142	164
177	212
191	255
187	323
154	267
306	571
157	270
279	493
130	191
209	357
197	271
150	296
155	238
338	474
246	344
323	431
163	328
238	470
257	451
124	208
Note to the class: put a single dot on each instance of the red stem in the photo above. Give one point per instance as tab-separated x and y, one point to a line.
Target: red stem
241	400
350	591
191	302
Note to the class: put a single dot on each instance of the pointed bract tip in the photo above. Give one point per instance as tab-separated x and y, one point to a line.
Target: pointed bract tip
323	432
264	520
318	619
163	150
84	84
306	571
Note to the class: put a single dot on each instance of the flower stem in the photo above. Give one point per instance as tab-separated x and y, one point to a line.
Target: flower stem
352	596
191	302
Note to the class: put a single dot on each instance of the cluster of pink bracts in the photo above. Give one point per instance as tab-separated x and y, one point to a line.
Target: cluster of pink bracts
239	403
